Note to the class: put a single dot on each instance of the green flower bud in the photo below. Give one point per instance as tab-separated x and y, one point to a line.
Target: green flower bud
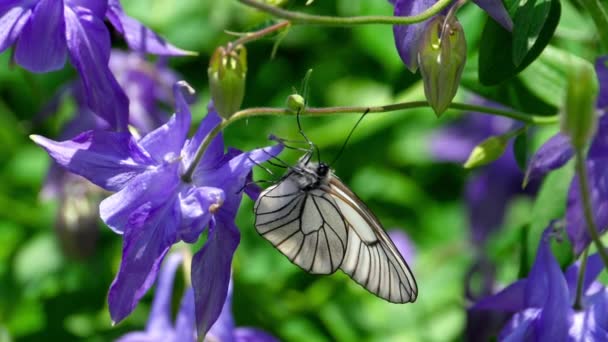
579	116
487	151
441	58
227	71
295	103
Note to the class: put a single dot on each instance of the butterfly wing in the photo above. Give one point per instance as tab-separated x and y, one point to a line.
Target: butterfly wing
371	258
304	225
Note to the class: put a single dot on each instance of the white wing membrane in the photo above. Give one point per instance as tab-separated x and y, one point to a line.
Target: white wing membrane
306	226
327	228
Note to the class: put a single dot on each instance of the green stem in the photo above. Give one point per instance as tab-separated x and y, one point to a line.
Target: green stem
251	36
581	170
302	18
319	111
600	17
578	301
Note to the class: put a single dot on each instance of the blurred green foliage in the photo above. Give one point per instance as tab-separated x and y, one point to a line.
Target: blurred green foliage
46	296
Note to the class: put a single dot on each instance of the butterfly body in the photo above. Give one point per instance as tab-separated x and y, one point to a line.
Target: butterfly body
321	226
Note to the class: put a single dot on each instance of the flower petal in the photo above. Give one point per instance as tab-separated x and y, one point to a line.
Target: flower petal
14	14
139	336
168	140
407	36
214	153
553	154
89	45
510	299
575	218
160	313
150	234
139	37
599	145
497	11
152	188
195	204
108	159
97	7
41	46
185	323
253	335
520	327
404	244
592	270
223	328
211	271
601	69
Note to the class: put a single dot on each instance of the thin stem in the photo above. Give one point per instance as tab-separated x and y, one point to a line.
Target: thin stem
320	111
600	17
302	18
581	170
251	36
578	301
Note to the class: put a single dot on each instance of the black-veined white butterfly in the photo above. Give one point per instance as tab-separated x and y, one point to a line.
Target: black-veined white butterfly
321	225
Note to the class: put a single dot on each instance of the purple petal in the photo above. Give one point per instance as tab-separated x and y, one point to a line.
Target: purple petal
211	271
97	7
151	188
194	205
41	46
139	37
540	277
253	335
89	45
601	69
160	313
214	153
108	159
497	11
510	299
599	145
14	14
575	219
166	142
553	154
139	336
521	327
407	36
150	234
185	323
223	328
592	271
404	245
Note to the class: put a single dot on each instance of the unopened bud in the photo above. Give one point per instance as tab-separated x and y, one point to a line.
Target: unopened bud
227	72
441	58
487	151
579	117
295	103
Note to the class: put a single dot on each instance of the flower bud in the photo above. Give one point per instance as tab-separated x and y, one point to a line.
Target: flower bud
441	57
295	103
487	151
579	117
227	71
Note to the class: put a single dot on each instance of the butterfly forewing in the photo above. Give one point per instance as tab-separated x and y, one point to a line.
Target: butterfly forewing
306	226
371	258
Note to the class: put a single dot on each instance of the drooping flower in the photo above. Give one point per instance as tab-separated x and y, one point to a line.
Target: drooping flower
153	207
542	303
407	36
557	151
489	191
45	32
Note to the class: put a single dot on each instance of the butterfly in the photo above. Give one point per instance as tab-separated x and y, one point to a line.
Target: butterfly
315	220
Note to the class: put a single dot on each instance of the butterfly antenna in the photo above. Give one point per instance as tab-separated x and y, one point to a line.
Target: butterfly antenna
305	90
348	137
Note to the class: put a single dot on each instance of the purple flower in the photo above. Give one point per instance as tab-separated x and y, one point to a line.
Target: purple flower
557	151
159	327
46	32
487	192
407	36
542	303
404	244
154	208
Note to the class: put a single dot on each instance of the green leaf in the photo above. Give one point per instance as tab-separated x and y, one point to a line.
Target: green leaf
520	150
496	49
527	25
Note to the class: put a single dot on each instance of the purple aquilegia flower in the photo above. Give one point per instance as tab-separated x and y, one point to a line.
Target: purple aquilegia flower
542	303
154	208
159	327
46	32
489	191
557	151
407	36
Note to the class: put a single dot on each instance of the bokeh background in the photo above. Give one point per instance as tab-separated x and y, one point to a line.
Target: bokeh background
47	295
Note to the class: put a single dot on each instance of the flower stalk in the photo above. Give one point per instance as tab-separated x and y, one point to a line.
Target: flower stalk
302	18
580	282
